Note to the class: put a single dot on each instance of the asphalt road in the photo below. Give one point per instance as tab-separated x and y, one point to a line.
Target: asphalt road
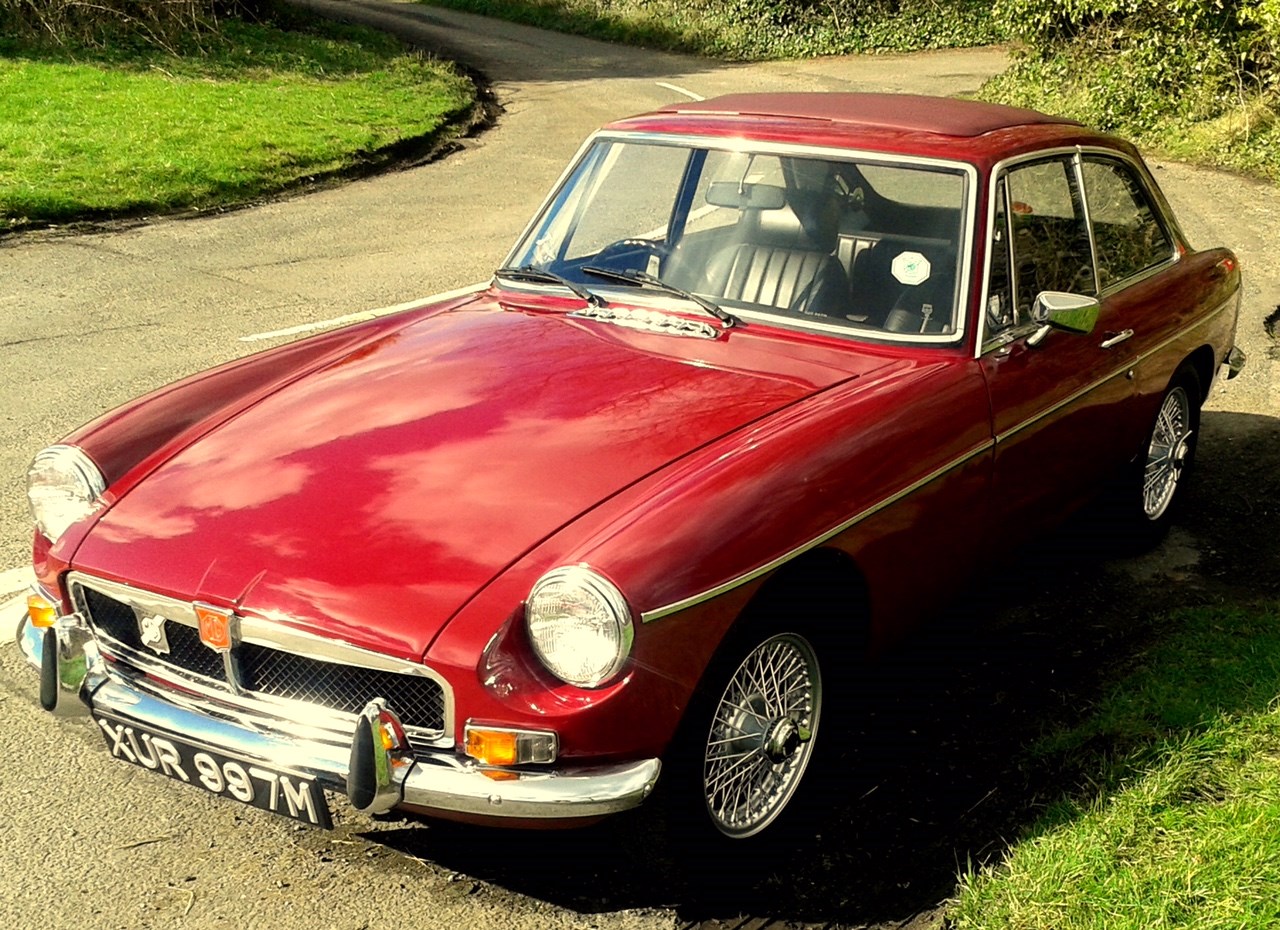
89	320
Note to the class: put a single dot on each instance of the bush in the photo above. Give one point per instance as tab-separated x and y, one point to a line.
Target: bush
97	22
1145	61
759	29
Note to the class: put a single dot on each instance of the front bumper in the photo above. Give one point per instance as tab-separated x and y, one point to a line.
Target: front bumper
74	679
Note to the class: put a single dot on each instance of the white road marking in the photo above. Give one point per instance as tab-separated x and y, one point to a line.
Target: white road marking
11	613
680	90
363	315
16	579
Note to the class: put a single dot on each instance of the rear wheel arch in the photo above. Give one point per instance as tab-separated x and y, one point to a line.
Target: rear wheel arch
1201	362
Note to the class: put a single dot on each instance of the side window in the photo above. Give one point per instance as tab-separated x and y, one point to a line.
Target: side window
1050	239
1126	230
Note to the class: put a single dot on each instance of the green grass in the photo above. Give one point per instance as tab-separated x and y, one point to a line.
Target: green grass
93	133
1182	824
757	29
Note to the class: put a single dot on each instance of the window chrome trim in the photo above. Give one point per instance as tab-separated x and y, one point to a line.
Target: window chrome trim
1164	216
658	613
255	706
1082	191
965	246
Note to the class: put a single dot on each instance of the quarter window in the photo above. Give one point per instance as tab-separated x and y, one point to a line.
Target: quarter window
1050	237
1040	241
1126	230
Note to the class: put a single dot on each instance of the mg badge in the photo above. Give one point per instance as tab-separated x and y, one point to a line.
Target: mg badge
151	629
217	627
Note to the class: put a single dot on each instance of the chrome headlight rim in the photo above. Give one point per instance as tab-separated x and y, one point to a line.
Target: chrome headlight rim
596	586
82	477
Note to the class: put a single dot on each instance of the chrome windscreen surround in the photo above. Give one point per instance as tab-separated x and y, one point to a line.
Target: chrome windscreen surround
152	642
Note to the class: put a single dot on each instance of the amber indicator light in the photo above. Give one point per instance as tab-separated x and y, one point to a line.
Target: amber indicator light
42	613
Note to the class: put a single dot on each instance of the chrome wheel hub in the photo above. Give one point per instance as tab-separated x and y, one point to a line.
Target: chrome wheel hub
1167	454
761	737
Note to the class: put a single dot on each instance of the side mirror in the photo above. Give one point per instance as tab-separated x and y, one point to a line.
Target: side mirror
1072	313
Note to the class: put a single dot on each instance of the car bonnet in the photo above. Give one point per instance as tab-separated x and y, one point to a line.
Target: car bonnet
369	500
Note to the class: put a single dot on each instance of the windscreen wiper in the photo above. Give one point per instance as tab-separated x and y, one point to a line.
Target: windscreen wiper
644	279
542	276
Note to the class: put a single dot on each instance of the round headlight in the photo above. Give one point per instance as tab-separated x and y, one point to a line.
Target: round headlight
62	486
579	625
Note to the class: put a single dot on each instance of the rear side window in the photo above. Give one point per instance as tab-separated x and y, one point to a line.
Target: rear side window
1126	228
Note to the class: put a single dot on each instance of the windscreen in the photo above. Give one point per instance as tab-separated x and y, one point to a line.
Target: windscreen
862	246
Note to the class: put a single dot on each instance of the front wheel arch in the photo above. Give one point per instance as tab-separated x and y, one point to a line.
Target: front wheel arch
825	582
812	613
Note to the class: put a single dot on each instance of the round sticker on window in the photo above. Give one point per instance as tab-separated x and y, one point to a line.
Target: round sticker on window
911	268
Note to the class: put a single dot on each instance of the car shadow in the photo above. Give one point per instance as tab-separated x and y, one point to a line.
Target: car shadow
936	773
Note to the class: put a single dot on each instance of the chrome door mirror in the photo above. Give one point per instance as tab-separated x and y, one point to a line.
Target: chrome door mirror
1072	313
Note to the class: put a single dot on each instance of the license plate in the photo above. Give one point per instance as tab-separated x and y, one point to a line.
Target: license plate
279	791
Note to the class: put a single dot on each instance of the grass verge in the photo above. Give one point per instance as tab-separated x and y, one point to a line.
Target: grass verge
1181	826
749	30
97	133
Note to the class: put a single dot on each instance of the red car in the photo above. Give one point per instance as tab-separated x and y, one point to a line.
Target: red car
766	379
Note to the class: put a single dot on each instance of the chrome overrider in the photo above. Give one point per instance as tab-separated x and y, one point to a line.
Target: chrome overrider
377	772
1234	362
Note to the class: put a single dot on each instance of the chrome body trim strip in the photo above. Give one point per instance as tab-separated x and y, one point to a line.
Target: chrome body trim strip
1117	372
658	613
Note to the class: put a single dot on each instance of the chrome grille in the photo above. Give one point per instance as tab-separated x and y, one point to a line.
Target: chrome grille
187	652
112	617
264	671
418	701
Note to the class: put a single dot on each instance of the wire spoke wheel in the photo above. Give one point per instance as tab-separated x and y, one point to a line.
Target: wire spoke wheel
762	735
1167	454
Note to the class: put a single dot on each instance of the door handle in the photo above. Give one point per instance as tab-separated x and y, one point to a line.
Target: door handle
1114	339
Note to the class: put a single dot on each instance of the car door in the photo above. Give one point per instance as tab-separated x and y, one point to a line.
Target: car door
1058	400
1144	294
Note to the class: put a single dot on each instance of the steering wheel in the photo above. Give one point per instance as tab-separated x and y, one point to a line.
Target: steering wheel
648	247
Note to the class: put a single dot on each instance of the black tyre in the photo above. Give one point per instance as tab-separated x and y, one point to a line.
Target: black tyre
744	776
762	735
1153	492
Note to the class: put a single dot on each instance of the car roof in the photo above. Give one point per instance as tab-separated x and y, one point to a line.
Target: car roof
981	134
893	112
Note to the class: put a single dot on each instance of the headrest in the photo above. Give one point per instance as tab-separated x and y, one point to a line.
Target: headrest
819	214
810	221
